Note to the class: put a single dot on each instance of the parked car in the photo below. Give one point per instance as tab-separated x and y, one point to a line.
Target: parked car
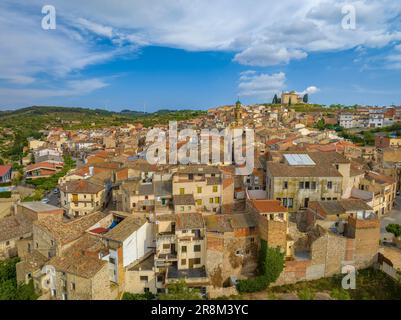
56	191
45	200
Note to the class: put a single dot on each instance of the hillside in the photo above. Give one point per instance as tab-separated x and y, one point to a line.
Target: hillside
16	126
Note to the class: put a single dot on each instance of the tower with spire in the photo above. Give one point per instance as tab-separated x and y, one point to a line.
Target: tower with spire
238	113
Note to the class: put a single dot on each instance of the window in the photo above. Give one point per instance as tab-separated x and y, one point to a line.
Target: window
166	246
285	203
160	278
216	200
199	202
252	240
199	189
197	248
72	286
182	208
285	185
183	262
190	176
301	185
215	188
145	290
184	249
290	202
182	191
144	278
197	261
307	185
313	185
329	184
210	200
7	243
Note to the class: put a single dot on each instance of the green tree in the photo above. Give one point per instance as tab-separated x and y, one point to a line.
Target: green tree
305	98
274	264
321	124
9	289
395	229
179	291
270	266
136	296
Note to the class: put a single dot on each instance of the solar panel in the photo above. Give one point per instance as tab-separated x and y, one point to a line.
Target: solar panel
299	160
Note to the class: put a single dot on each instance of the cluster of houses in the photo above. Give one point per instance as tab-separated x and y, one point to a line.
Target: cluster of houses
369	117
125	225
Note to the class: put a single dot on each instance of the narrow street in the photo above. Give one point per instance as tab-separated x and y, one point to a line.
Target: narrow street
393	217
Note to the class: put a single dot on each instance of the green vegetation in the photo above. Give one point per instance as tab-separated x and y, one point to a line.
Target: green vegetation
364	138
133	296
17	126
395	229
43	185
180	291
371	284
367	137
306	294
9	289
5	194
270	265
340	294
321	125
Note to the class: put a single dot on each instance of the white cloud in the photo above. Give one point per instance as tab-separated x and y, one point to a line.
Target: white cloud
260	85
310	90
267	55
96	28
265	33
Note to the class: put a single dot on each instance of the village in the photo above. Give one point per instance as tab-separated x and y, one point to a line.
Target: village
90	218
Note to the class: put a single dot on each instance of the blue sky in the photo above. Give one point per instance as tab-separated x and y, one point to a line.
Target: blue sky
198	54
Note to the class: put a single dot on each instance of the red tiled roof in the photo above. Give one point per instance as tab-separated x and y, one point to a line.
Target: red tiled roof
99	230
4	169
268	206
44	165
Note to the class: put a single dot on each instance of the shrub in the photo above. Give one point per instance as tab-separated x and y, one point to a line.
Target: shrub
270	265
306	294
340	294
180	291
395	229
6	194
252	285
138	296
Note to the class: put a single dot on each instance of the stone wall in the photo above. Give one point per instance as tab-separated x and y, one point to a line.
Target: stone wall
230	255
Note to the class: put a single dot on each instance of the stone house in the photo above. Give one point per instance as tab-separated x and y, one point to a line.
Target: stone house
232	245
81	197
299	178
80	273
